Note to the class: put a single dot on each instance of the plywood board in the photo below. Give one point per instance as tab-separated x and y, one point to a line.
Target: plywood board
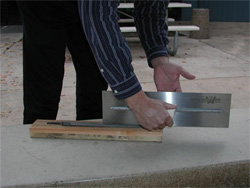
40	129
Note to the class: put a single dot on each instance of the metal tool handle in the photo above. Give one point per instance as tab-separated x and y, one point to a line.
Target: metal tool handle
198	110
179	109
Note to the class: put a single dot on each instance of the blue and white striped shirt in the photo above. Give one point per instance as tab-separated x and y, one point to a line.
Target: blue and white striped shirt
100	23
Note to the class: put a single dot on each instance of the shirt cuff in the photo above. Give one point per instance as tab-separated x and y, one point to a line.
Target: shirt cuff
156	52
127	88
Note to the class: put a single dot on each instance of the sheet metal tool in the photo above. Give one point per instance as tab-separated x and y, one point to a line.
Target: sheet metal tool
194	110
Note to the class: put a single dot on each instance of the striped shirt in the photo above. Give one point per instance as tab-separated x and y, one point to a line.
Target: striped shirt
100	23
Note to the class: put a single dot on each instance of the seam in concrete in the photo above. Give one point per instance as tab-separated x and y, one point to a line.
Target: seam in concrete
215	78
8	47
2	28
224	51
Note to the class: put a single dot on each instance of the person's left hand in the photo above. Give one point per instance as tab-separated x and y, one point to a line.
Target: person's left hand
166	75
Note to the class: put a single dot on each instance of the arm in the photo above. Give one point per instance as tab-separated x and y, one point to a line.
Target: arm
99	20
110	49
151	27
152	30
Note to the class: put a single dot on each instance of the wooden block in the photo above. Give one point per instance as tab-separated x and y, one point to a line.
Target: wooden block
40	129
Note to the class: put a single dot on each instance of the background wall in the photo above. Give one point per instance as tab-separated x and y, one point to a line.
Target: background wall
220	10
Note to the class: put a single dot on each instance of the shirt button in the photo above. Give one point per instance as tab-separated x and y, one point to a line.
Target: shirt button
101	70
116	91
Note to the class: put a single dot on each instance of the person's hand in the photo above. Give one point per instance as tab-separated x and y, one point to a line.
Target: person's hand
150	113
166	74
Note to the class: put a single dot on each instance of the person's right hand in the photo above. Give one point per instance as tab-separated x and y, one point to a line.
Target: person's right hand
150	113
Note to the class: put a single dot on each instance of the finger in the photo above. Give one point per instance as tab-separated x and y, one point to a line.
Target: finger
169	121
170	106
186	74
161	124
178	89
150	125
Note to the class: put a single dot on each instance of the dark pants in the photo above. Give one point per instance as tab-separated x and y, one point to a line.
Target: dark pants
50	26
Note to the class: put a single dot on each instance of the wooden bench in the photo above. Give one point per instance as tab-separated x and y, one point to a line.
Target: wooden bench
176	29
170	28
131	20
173	28
170	5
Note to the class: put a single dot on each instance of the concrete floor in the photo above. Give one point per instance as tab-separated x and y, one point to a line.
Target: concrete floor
221	65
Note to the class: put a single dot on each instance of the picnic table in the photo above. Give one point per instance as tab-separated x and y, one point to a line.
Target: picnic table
174	28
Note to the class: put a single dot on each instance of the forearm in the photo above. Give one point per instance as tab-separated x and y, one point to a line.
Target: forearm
111	51
152	28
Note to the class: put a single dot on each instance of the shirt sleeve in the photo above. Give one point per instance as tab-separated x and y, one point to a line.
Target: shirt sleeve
100	23
151	26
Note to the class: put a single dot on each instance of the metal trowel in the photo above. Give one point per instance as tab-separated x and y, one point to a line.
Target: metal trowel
193	109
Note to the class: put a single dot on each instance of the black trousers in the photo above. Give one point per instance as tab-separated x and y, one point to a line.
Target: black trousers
50	26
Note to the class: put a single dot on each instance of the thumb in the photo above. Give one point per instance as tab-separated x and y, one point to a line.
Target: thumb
170	106
186	74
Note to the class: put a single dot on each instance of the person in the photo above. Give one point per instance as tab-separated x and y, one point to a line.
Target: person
99	20
50	26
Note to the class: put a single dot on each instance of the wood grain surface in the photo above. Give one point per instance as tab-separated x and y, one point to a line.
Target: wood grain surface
40	129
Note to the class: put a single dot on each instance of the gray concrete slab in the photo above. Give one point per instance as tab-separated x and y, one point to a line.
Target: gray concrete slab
198	58
11	106
9	37
221	65
231	38
33	161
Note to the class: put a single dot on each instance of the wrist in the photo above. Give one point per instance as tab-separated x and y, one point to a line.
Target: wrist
159	61
135	99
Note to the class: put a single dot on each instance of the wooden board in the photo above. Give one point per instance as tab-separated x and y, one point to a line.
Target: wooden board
40	129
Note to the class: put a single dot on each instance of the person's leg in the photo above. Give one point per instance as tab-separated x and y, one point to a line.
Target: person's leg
43	59
90	82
